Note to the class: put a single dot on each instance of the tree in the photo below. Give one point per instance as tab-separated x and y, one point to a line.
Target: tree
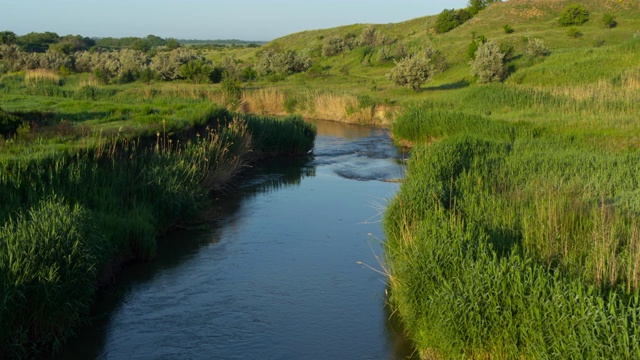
172	44
7	38
141	45
475	6
412	72
37	42
196	71
574	14
450	19
488	65
155	41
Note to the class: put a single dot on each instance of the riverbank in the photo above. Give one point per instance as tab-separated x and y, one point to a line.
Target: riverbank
513	240
73	211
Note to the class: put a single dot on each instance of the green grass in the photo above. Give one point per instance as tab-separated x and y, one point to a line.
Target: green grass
91	184
509	240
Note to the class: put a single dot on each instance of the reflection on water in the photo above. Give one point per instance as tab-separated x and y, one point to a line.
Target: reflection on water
279	277
357	152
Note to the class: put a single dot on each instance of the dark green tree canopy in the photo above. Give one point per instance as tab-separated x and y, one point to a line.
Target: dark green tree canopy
575	14
37	42
475	6
7	38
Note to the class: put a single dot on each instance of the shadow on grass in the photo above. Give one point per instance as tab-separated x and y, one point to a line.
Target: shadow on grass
52	118
452	86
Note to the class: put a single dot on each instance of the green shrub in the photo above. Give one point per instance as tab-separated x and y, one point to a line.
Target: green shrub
411	72
282	62
536	48
450	19
196	71
472	48
508	29
333	45
609	21
249	74
488	65
574	15
9	123
574	32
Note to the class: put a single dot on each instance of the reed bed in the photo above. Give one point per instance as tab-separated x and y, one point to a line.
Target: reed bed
42	76
70	216
264	102
507	240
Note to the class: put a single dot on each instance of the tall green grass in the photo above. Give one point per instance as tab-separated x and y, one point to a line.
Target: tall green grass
72	215
509	241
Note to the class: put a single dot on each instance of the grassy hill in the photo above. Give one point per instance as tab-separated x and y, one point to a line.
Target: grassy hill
599	70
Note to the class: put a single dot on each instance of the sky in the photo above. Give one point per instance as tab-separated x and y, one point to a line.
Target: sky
253	20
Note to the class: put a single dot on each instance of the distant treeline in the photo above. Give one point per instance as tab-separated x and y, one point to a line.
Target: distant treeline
41	42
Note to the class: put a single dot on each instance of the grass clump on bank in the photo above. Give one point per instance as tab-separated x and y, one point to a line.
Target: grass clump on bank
509	240
72	214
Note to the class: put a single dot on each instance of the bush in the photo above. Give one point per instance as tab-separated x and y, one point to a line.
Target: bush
574	32
508	29
488	65
609	21
369	36
574	15
450	19
249	74
472	48
411	72
536	48
9	123
196	71
333	45
282	62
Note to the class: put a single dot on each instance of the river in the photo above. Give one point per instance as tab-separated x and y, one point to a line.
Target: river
290	271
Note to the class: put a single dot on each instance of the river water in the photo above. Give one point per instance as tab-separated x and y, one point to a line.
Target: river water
289	272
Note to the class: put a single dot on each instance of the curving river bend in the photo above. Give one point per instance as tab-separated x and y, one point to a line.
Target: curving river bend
284	275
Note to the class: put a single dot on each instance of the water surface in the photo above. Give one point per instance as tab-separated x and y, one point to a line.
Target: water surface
285	274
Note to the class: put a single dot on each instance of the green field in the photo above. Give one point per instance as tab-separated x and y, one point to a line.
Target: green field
514	235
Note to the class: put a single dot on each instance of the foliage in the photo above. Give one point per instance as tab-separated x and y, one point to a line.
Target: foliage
372	37
609	21
574	14
508	29
536	48
574	32
196	71
450	19
167	64
37	42
475	6
488	65
333	45
8	38
411	72
282	62
472	48
9	123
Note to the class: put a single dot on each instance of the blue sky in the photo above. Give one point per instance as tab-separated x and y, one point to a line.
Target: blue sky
202	19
